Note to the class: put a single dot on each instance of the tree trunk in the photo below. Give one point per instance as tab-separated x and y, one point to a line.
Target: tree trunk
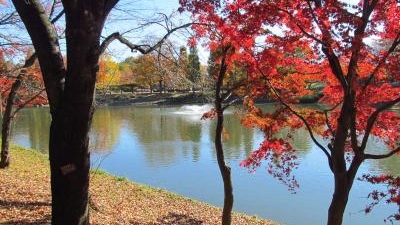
343	184
339	200
69	139
225	173
6	123
224	169
69	164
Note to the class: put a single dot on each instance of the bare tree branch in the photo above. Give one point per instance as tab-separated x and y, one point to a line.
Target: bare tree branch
144	49
325	112
27	102
59	15
8	18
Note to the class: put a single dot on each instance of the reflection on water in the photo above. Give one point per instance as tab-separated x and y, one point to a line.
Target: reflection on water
31	128
171	148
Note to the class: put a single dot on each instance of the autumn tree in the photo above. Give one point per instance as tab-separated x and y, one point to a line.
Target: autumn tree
218	112
360	80
225	59
109	73
21	85
165	68
144	71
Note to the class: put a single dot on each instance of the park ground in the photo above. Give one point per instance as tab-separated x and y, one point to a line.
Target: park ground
25	199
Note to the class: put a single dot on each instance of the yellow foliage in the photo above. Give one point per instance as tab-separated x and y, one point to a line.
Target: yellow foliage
109	73
225	134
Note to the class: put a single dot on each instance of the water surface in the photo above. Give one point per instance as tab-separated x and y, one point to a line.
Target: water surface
171	148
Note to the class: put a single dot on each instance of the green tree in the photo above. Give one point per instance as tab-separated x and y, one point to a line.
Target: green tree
193	66
212	66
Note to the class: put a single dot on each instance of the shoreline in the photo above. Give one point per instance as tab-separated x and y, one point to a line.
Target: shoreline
167	99
171	98
113	200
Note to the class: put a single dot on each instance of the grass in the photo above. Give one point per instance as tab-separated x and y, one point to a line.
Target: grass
25	198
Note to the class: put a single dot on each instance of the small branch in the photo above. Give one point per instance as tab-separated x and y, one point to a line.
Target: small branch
59	15
299	26
8	19
394	45
27	102
371	120
30	61
238	85
230	103
325	112
53	7
384	156
301	118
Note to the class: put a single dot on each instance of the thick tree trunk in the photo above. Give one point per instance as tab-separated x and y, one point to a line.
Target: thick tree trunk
69	139
343	184
70	93
69	163
6	123
339	200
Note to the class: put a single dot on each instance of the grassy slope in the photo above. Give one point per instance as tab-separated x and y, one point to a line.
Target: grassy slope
25	198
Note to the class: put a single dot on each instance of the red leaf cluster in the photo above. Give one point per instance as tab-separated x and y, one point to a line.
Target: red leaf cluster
390	196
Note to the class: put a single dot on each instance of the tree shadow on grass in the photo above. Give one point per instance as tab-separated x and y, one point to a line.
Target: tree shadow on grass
44	220
173	219
29	206
178	219
22	204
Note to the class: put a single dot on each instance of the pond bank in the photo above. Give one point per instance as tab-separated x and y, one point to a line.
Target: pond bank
153	99
173	98
114	200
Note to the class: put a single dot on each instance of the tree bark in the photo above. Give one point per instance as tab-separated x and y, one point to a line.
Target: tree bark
225	173
339	200
224	169
343	178
6	123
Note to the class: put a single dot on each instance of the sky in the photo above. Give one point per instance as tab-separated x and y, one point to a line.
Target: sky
125	18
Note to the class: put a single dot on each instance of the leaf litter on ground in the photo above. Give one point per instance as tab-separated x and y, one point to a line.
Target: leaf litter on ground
25	199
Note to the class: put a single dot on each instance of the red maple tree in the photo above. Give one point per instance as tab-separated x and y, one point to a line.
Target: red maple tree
288	45
20	86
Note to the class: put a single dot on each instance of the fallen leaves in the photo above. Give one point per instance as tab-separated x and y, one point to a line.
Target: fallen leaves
25	199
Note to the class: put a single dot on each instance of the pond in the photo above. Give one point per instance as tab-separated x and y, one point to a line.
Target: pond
171	148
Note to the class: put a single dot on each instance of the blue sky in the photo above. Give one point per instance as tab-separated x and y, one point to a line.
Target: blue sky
127	15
